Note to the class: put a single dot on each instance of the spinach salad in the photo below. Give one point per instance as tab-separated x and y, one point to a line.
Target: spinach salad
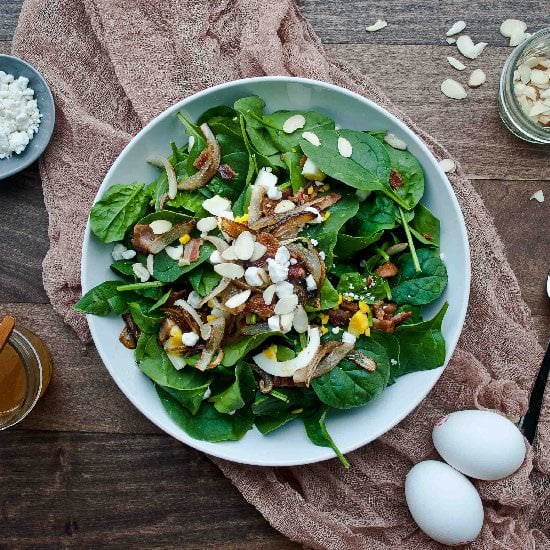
275	270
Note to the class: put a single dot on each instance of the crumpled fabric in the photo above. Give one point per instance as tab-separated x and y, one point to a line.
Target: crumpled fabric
112	67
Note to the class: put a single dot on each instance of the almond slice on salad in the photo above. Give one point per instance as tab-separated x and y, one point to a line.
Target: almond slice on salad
238	299
451	88
229	270
312	138
293	123
395	142
344	147
456	28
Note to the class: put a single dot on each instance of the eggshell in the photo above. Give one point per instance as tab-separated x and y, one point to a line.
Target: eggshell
444	503
480	444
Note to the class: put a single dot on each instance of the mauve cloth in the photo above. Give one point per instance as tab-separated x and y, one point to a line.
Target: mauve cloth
112	67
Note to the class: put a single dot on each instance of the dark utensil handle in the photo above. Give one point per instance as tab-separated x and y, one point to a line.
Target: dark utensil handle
531	419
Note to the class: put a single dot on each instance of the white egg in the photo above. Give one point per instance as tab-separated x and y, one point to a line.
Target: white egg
480	444
443	502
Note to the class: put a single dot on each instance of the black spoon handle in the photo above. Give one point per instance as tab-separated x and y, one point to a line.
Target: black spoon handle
531	419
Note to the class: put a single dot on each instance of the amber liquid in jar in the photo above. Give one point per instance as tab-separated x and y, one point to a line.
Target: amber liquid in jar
13	380
25	372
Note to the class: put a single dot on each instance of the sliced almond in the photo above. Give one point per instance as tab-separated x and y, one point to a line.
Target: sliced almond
538	196
238	299
380	24
300	320
447	165
312	138
229	254
287	304
395	142
284	206
509	26
467	48
160	226
455	63
344	147
268	294
451	88
244	246
229	270
457	27
293	123
259	251
477	78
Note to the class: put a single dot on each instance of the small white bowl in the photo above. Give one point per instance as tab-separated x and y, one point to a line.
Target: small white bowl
351	429
17	67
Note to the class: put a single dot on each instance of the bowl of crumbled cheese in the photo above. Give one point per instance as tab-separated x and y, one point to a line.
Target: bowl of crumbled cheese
27	115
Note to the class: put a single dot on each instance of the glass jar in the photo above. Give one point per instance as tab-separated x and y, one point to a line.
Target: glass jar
511	113
25	372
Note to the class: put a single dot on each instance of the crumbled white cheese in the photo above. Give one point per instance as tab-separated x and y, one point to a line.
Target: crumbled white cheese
348	338
189	338
19	115
310	283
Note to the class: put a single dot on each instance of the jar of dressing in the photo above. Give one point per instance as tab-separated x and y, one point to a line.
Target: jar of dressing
520	96
25	372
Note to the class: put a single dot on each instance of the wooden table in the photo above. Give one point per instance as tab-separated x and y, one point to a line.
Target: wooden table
86	468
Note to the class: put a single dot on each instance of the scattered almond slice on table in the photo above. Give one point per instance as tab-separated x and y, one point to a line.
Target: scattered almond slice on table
447	165
477	78
380	24
456	28
453	89
455	63
467	47
538	196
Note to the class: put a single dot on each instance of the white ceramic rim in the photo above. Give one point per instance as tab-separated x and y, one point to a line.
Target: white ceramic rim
323	453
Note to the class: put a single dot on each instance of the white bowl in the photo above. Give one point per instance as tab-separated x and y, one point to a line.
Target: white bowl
350	429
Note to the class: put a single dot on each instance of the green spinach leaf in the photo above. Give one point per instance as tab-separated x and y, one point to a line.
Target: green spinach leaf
419	287
117	211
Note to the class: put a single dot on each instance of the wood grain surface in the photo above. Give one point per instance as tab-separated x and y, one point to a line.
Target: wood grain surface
86	469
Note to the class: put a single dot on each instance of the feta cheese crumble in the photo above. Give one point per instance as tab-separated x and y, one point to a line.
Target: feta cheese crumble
19	115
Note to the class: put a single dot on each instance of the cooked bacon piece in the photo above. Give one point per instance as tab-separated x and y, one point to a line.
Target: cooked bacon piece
192	251
386	270
226	172
339	317
396	181
257	305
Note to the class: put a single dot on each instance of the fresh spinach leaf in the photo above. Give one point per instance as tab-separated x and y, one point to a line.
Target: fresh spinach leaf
167	270
239	393
103	299
117	211
422	346
207	424
326	233
419	287
237	350
412	188
348	385
286	142
317	432
425	226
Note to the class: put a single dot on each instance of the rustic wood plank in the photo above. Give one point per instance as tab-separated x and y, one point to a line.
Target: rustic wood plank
85	491
418	21
470	129
24	242
82	397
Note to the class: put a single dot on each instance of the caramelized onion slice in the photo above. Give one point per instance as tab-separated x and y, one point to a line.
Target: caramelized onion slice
207	162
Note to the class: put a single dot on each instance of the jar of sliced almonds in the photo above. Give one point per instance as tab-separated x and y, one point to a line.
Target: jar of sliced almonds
524	97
